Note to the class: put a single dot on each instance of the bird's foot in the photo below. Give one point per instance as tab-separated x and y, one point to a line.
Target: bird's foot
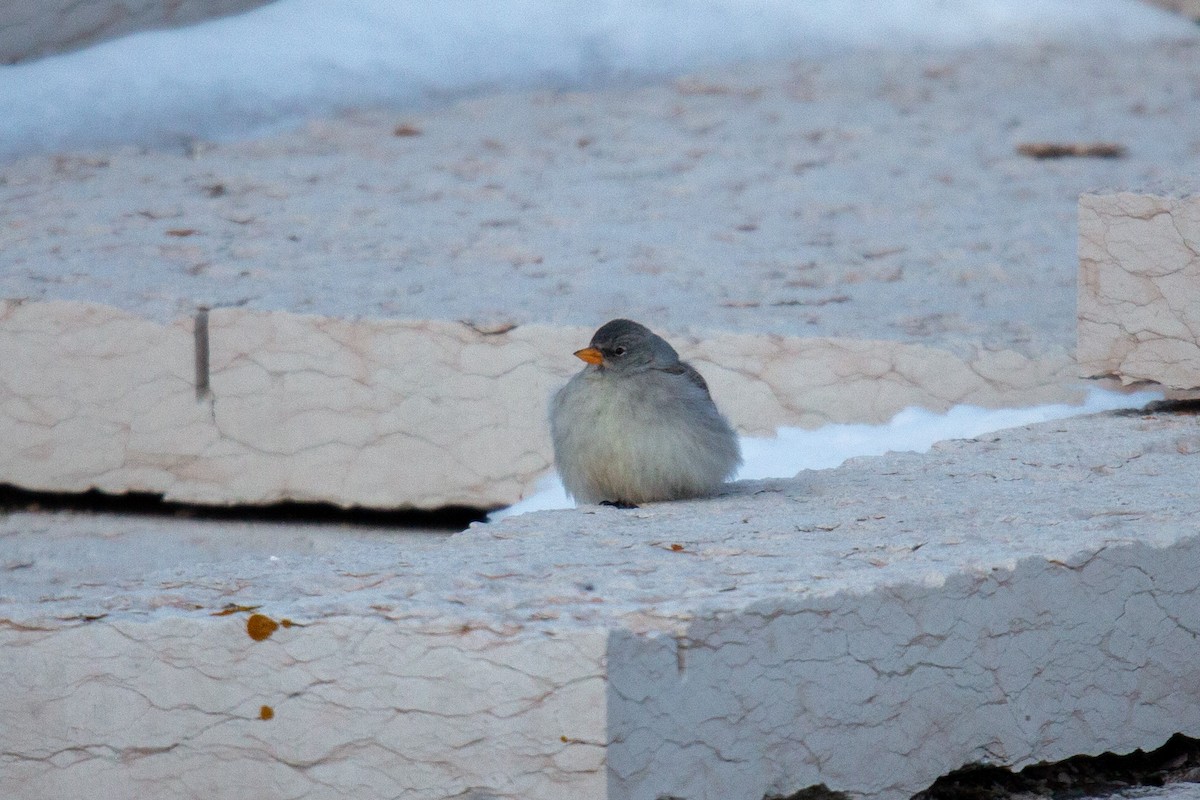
618	504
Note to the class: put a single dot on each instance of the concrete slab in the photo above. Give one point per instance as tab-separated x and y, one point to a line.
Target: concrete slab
1023	597
873	195
809	289
34	28
1139	289
264	407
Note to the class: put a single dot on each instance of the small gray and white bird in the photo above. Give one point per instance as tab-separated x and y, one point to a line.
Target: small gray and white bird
637	424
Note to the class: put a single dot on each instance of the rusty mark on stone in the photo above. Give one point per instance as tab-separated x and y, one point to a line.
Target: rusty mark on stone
233	608
266	712
260	627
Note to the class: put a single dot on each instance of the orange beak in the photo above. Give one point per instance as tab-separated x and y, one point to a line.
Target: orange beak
590	354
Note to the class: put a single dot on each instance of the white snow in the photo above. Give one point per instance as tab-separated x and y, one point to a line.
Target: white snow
913	429
298	59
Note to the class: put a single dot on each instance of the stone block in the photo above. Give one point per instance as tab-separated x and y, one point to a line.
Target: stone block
1139	289
272	406
1020	598
34	28
93	397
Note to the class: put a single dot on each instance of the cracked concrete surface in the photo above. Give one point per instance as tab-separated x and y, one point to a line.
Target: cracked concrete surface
871	195
388	413
1026	596
829	241
832	241
1139	289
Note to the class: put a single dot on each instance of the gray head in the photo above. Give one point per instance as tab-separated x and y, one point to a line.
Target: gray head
625	346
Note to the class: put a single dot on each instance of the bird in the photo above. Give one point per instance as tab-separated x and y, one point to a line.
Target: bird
637	424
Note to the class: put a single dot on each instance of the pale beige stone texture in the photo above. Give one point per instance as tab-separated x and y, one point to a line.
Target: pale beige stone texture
1139	289
382	412
96	397
1017	598
358	707
765	382
392	413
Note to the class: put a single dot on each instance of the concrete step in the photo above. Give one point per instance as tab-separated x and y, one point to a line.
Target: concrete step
1020	598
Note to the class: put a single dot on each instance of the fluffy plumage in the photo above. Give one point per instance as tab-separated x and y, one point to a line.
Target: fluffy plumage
637	424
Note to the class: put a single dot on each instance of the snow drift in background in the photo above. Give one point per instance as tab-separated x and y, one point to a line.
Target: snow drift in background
296	59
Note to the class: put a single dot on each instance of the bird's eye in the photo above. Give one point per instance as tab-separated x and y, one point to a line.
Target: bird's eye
618	351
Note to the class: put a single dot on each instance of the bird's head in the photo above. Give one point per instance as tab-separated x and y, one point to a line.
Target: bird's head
623	345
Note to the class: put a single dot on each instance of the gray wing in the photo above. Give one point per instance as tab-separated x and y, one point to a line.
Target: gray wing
684	368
